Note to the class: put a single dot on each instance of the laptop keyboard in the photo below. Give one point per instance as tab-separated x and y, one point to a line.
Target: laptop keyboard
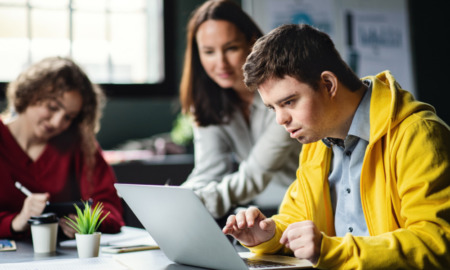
253	263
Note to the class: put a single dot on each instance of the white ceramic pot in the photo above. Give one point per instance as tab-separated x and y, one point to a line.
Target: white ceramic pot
88	245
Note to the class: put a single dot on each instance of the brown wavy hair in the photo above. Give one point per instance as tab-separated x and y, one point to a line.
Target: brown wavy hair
50	78
199	94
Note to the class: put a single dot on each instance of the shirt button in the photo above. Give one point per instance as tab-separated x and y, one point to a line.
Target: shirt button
348	153
348	190
350	229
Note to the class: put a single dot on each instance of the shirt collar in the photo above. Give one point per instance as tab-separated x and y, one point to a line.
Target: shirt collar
360	126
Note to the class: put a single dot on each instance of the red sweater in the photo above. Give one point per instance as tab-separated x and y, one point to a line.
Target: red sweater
60	172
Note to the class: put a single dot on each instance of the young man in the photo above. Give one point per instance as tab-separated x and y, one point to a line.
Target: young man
372	189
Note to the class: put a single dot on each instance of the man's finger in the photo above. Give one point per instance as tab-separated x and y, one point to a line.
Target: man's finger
241	220
252	214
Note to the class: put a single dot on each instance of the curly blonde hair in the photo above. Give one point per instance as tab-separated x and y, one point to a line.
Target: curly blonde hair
50	78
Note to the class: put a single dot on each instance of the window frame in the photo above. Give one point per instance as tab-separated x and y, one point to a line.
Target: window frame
166	88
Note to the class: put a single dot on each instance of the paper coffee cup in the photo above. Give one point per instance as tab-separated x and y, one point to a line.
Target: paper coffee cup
44	232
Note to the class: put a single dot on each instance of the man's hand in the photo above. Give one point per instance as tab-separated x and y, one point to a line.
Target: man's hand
250	227
304	239
32	206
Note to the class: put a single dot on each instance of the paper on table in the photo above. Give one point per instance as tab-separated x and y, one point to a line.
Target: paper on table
140	261
97	263
127	236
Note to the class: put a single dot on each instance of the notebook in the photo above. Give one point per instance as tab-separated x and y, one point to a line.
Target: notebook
187	233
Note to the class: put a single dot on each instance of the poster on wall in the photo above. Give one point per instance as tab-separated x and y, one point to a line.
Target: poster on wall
318	13
372	36
378	41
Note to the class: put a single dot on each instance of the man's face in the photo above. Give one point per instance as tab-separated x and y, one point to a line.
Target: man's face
304	112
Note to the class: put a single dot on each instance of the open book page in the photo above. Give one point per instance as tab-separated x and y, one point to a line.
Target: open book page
127	237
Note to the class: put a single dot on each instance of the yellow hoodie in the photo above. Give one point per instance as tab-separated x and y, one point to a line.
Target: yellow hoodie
405	191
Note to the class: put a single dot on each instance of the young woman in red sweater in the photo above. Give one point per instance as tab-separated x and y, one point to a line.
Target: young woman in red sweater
47	143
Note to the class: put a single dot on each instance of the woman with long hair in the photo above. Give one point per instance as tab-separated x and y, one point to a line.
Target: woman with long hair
231	124
48	145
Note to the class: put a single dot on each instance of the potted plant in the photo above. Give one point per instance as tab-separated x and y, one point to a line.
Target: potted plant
86	225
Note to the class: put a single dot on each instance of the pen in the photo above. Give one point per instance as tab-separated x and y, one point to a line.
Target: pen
25	190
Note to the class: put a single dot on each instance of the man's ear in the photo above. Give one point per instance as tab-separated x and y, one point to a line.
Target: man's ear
330	81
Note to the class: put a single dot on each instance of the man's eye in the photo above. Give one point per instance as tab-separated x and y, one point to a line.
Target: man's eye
288	103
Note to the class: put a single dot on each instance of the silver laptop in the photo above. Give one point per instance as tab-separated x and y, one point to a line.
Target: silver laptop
187	233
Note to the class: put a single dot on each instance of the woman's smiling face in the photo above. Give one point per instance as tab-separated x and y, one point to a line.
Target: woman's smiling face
50	117
223	50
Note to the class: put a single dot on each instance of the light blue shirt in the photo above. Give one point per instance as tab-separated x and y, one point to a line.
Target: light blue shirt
345	172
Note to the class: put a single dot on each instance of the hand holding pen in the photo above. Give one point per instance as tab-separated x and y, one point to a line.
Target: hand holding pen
33	205
25	190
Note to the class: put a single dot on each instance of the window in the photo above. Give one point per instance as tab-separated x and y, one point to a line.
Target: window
116	42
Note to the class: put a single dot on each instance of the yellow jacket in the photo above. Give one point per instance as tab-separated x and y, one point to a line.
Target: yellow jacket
405	191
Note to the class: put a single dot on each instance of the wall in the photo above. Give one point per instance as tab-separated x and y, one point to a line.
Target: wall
430	28
135	118
130	118
379	39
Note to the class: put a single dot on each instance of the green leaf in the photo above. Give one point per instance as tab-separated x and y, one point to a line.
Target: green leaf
88	220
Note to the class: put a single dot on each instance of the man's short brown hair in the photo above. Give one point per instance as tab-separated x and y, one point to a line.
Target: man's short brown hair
299	51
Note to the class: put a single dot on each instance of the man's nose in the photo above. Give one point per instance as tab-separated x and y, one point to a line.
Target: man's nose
282	117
